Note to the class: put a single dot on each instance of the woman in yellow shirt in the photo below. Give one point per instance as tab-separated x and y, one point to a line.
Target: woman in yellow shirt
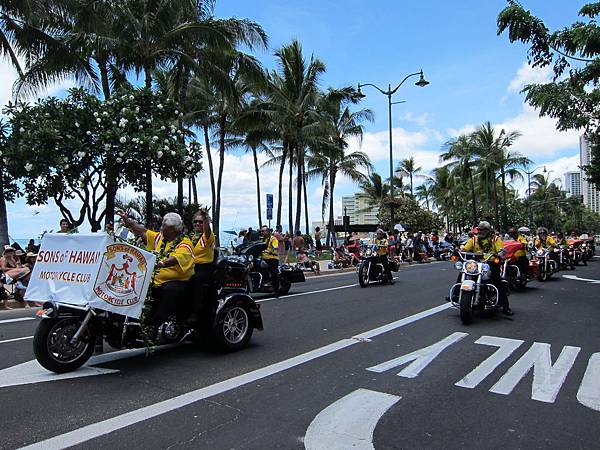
203	240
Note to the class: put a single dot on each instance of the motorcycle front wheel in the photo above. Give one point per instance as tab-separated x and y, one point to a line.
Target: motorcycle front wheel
52	345
284	286
466	307
363	276
543	276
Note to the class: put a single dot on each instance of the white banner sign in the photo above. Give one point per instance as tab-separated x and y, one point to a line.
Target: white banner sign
91	270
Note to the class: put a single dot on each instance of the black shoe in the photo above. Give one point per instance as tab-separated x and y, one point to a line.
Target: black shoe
507	311
447	299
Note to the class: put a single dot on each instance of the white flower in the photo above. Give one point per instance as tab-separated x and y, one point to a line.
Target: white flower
121	154
141	127
131	97
0	153
176	112
81	154
173	153
162	128
28	167
98	120
119	160
66	166
159	154
166	148
137	109
113	122
22	130
107	147
5	160
95	114
124	110
166	141
180	114
159	106
148	120
77	124
123	139
154	138
178	131
89	133
105	114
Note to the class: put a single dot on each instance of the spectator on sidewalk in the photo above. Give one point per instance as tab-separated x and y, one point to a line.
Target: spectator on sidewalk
318	245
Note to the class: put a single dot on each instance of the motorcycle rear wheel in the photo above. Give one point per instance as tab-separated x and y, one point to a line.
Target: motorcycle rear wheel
53	336
466	307
234	328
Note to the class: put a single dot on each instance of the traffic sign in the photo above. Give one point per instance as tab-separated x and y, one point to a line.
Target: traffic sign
269	201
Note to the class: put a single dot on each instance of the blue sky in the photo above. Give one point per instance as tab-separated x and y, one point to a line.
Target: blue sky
475	77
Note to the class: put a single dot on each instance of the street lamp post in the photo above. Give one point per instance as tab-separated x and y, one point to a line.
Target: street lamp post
421	83
529	212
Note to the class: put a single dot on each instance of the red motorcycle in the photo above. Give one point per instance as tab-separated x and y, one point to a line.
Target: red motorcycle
510	271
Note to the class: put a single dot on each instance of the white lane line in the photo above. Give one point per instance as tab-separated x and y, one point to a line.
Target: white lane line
18	319
95	430
16	339
349	422
575	277
306	293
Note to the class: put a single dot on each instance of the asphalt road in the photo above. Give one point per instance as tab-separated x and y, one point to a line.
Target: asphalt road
337	366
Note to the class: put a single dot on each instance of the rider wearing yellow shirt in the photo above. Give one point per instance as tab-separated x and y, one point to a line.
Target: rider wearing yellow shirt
203	240
174	266
382	250
270	255
521	254
488	244
544	240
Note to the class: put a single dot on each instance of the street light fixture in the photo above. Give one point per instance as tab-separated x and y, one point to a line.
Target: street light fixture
389	92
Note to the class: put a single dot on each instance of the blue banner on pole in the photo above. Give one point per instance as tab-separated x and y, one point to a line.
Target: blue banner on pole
269	201
269	213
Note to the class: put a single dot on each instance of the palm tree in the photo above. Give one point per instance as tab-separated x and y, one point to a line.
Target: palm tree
409	167
463	157
292	94
443	191
375	189
423	192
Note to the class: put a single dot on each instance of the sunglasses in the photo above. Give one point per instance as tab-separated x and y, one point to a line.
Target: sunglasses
198	221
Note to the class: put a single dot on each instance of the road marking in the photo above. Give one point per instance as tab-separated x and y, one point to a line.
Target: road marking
420	358
92	431
548	378
16	339
18	319
575	277
505	348
589	389
306	293
32	372
349	422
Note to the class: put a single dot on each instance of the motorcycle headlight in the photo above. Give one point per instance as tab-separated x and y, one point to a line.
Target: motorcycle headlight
540	252
471	267
369	252
485	267
458	265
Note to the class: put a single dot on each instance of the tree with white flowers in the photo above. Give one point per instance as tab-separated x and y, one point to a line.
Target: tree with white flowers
84	148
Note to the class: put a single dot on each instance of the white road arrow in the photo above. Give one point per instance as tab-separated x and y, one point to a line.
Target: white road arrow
349	422
575	277
31	372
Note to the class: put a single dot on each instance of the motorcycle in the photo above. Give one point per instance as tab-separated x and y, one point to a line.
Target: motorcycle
546	265
565	260
259	279
475	290
577	251
511	272
370	269
67	334
589	249
442	251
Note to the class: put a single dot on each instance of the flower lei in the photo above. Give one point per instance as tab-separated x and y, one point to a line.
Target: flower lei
161	255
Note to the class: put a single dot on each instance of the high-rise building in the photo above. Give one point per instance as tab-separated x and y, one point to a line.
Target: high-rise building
359	210
591	196
573	183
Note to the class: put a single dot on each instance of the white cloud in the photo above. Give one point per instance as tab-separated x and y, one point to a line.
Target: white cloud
420	119
529	75
540	138
376	145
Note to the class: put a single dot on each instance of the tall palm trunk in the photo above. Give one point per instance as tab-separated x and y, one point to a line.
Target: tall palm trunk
504	205
280	185
255	156
217	214
299	183
290	193
305	205
184	78
473	197
3	215
194	189
331	232
112	171
495	200
211	171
